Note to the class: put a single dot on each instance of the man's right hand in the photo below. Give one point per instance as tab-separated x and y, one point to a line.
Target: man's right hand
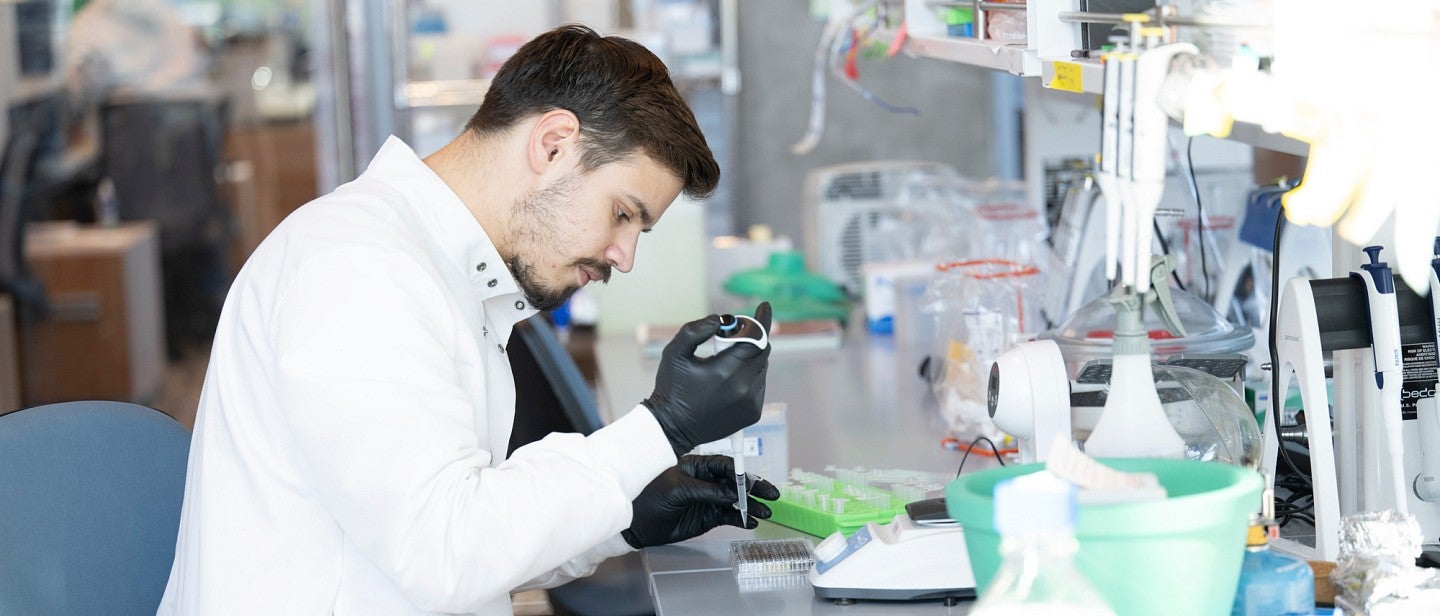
701	399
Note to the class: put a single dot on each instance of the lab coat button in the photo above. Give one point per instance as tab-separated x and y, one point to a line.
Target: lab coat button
519	305
501	347
492	282
480	268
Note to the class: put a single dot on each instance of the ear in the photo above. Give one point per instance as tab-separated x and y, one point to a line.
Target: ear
553	141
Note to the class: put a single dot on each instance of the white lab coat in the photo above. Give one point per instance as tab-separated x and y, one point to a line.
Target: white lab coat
349	450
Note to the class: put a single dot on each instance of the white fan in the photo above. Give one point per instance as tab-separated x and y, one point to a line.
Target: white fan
856	215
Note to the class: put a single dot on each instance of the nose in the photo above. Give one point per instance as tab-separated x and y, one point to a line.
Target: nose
621	253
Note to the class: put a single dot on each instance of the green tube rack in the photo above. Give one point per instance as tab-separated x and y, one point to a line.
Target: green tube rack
846	499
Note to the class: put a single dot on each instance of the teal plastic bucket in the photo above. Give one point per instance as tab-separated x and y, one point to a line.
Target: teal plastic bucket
1179	556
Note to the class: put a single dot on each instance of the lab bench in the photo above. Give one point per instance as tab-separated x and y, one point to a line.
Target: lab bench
862	405
694	578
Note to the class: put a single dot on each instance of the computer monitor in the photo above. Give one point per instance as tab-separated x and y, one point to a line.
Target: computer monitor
34	37
551	395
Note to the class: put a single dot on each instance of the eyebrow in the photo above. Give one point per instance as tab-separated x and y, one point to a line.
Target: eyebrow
645	217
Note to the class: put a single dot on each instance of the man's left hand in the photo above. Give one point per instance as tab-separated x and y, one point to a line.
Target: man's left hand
690	498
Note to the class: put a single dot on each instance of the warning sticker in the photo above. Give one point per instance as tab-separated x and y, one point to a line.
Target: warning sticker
1419	364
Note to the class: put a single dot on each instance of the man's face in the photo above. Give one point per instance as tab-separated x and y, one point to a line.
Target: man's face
577	228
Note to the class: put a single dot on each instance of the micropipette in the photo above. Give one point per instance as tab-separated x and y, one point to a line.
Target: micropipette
734	329
1385	352
1147	153
1427	483
737	452
1105	177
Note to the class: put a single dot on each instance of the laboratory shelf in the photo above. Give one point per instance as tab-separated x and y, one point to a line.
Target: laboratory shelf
1245	132
1012	58
1084	76
1047	55
1088	76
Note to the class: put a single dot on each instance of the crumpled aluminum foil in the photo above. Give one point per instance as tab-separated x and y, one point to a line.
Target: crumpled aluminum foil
1376	568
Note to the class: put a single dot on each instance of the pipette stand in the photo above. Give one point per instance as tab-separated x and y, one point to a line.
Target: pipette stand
1299	354
1364	482
1329	316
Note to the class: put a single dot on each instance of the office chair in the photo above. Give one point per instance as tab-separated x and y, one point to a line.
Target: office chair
90	497
552	396
17	165
162	155
556	397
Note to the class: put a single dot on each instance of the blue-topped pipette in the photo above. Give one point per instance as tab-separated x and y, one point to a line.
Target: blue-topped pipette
1385	351
735	329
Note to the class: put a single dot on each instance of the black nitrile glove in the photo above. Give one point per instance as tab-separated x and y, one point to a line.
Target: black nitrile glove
701	399
690	498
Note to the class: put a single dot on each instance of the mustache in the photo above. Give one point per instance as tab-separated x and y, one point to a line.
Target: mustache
595	265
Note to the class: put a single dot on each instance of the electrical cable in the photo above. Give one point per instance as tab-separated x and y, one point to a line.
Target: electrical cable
1199	211
839	34
977	441
1277	403
1165	250
1299	505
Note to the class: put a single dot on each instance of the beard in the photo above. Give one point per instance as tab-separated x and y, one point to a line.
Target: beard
538	220
542	295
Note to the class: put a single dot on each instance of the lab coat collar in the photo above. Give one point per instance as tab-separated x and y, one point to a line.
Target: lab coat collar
457	233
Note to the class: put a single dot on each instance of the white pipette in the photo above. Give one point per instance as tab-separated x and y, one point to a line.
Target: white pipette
1427	482
1149	125
1109	163
740	329
1385	351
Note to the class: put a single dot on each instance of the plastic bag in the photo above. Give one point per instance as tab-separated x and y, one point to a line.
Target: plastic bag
1005	26
981	308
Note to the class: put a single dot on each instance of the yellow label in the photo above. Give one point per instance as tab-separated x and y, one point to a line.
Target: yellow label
1067	77
960	352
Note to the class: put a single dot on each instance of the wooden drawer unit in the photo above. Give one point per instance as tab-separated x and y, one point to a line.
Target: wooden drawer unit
104	337
9	357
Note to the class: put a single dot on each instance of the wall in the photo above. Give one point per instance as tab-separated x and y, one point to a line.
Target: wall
777	43
667	284
9	65
525	18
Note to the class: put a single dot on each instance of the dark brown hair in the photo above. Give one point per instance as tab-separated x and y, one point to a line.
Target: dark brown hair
621	93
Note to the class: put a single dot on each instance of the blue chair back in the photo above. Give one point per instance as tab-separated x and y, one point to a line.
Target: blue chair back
90	496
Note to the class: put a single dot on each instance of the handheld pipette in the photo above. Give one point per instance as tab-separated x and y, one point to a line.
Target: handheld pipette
737	329
1124	154
1385	351
1147	152
1427	483
1109	160
737	451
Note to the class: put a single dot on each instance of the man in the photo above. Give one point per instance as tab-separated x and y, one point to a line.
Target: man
348	455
